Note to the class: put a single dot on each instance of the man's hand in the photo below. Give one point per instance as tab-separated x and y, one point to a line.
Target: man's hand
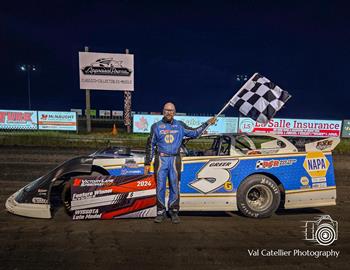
146	169
212	120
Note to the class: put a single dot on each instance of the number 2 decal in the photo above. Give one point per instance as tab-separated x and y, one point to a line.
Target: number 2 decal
213	175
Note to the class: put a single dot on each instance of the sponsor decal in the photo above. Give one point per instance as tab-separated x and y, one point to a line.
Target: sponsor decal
130	163
273	163
87	214
128	171
169	138
304	181
40	190
131	168
319	185
228	186
316	164
89	195
322	145
76	182
39	200
319	180
167	131
92	183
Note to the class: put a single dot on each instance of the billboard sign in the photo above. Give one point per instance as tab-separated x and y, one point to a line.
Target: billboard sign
104	113
57	121
93	113
106	71
293	127
13	119
142	123
346	129
78	111
117	113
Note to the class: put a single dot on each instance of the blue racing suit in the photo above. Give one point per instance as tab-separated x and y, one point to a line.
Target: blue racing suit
164	144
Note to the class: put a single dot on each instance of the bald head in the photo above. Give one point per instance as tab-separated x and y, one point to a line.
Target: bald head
169	106
169	111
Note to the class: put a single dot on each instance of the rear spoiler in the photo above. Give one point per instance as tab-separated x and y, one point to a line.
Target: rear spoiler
322	145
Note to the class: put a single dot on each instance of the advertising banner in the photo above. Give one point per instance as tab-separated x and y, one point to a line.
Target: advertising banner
57	120
93	113
106	71
346	129
117	113
142	123
78	111
12	119
293	127
104	113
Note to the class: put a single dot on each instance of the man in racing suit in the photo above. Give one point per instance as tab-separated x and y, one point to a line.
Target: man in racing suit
164	144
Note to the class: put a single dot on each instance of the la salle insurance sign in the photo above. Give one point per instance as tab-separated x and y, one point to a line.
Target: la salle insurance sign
106	71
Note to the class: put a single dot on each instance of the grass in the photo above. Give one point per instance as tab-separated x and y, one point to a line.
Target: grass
101	139
65	139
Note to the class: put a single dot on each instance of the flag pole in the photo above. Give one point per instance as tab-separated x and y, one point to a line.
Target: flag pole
235	95
228	103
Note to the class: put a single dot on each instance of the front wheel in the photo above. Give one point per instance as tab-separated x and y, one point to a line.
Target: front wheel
258	196
66	194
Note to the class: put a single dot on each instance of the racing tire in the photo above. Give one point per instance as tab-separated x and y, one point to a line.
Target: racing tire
66	192
258	196
66	198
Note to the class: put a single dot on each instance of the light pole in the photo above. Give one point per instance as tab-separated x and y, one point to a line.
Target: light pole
28	68
241	77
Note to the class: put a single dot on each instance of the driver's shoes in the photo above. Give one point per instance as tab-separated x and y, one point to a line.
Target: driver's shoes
174	217
160	218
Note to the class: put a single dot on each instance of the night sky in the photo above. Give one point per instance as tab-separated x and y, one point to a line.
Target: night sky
188	52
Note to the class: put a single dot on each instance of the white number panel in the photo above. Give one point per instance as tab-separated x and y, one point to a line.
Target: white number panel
213	175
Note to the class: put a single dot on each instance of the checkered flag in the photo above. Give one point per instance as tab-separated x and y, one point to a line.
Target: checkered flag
259	99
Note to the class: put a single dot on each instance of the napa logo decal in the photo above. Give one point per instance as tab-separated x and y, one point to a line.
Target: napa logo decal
316	164
169	138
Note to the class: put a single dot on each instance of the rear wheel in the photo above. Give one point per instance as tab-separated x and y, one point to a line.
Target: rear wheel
258	196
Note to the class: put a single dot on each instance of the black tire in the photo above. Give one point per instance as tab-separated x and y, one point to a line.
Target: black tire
66	198
258	196
66	192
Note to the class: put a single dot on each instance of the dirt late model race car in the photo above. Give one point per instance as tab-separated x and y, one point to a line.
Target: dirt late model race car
255	174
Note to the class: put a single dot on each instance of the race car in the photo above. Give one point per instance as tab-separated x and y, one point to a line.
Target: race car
253	173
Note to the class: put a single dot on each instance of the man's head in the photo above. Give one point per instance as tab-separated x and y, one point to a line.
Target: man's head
169	111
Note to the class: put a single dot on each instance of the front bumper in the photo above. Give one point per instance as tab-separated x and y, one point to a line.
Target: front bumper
27	209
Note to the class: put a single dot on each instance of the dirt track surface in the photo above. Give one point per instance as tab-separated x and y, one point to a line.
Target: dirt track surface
202	241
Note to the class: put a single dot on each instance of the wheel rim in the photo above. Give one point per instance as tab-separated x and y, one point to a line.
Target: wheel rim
259	198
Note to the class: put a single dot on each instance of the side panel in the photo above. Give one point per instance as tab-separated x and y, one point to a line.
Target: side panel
206	184
110	197
211	183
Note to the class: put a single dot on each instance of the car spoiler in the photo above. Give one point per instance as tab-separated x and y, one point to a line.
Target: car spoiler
322	145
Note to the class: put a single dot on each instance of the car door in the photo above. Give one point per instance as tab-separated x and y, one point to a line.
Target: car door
206	177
